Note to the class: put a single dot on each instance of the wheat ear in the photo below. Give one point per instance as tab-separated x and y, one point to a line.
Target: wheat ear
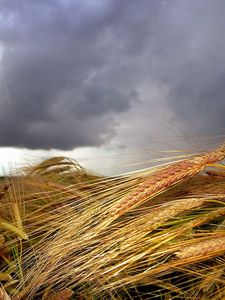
64	294
166	178
160	216
203	248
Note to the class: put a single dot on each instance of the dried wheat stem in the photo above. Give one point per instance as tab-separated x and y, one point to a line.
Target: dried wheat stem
215	173
166	178
203	248
215	276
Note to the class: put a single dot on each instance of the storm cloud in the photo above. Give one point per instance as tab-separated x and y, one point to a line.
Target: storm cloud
82	73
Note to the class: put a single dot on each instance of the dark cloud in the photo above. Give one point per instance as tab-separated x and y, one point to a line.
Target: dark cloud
191	61
70	69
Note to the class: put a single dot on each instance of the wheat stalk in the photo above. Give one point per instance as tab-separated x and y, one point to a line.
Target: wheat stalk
166	178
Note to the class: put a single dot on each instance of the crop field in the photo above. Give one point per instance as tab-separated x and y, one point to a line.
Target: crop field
66	233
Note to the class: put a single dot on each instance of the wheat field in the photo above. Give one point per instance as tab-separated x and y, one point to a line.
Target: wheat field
66	233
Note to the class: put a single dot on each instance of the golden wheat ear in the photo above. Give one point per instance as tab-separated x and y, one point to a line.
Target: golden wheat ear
165	178
4	295
64	294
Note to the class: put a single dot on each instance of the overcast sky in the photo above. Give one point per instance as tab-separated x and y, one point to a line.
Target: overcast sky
103	75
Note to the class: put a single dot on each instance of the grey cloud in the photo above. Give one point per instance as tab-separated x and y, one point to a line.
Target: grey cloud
69	69
191	61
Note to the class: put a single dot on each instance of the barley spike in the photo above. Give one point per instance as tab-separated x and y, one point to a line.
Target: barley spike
166	178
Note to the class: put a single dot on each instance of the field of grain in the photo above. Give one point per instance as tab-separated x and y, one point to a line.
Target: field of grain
66	233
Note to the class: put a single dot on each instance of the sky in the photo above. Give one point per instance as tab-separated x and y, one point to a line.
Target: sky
108	78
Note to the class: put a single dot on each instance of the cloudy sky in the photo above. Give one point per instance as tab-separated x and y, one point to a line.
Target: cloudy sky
91	78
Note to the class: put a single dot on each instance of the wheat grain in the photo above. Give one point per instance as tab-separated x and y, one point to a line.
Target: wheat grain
64	294
3	295
203	248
